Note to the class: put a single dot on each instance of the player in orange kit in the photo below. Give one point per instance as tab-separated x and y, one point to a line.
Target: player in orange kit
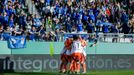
65	55
82	54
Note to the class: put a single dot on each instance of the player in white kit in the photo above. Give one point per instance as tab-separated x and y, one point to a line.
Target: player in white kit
76	54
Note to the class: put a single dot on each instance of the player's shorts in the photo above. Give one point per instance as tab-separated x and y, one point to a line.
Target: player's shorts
65	58
65	55
76	57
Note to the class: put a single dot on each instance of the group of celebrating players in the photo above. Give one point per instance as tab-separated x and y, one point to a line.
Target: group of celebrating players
73	55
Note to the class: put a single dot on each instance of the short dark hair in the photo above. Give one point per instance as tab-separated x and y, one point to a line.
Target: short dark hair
75	37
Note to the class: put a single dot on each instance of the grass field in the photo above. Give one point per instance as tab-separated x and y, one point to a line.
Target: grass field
89	73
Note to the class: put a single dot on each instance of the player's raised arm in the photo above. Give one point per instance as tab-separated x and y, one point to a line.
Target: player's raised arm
95	42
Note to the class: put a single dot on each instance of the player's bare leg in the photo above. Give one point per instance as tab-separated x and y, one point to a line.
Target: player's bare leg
72	67
83	63
84	67
77	67
63	67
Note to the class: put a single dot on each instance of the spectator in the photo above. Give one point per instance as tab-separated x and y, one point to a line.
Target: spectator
22	20
5	19
19	31
48	2
32	33
51	36
114	30
49	22
11	22
1	32
1	18
124	17
80	27
57	33
91	16
6	33
42	31
29	21
125	28
90	27
68	25
57	25
36	20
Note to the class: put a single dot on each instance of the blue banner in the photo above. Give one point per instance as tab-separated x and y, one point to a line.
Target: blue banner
85	36
99	23
16	42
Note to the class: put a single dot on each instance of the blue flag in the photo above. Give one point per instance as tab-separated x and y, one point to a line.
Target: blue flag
16	42
99	23
85	36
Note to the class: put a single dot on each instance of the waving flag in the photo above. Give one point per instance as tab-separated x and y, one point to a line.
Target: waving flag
68	35
100	23
107	23
16	42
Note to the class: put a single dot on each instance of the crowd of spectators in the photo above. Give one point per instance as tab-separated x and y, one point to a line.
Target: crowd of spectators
65	16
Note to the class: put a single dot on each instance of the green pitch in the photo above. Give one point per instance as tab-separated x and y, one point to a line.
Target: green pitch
89	73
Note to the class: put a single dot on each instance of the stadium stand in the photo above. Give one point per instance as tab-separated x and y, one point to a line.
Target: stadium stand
56	17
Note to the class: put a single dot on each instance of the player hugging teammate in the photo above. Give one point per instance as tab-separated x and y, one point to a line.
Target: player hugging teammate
73	55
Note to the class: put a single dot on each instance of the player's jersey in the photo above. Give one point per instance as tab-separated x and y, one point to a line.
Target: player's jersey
67	48
76	47
68	44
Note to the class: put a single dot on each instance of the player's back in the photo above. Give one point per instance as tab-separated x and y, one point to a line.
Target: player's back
76	47
68	44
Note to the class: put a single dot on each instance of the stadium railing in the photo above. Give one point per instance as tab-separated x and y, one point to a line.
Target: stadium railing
101	37
104	37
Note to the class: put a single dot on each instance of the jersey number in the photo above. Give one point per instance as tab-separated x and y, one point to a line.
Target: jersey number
78	44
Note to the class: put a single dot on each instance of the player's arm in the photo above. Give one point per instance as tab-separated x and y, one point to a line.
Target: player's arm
95	42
